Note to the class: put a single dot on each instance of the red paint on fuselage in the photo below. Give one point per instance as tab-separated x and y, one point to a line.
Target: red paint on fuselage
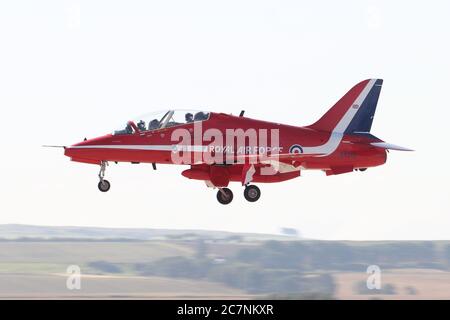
354	150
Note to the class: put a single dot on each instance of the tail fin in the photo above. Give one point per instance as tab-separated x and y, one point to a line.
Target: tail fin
354	112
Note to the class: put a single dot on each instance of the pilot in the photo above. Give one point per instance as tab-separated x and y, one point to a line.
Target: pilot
154	124
199	116
189	117
141	125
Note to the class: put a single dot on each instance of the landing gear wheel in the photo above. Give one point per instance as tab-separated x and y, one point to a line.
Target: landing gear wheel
362	169
104	185
225	196
252	193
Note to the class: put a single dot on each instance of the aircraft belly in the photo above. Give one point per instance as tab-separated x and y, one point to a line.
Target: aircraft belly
346	158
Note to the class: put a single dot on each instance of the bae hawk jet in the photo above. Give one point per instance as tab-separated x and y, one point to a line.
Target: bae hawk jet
220	148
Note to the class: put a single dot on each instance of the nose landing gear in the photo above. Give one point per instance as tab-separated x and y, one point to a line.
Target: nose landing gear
104	184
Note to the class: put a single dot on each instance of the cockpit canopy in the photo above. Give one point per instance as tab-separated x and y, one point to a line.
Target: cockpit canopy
163	119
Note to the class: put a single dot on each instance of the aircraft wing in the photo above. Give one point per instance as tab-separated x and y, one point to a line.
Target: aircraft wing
389	146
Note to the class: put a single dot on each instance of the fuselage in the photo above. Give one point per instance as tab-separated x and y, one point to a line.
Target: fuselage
319	150
219	148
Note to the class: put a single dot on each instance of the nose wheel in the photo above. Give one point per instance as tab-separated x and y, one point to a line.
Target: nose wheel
104	184
224	195
252	193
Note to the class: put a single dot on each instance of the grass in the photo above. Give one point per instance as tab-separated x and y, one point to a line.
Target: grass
84	252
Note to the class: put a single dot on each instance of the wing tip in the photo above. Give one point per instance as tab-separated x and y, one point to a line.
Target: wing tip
390	146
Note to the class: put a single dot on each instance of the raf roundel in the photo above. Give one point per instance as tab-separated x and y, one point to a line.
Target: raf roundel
295	149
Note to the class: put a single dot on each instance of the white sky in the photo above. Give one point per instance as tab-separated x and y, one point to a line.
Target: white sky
70	69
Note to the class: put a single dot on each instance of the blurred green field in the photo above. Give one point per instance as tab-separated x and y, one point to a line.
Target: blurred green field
82	252
218	265
38	270
41	286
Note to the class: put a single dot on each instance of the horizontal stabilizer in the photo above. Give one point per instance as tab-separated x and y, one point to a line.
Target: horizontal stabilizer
389	146
47	146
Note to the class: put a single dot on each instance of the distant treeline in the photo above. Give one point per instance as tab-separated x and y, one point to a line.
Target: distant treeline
248	277
340	256
68	239
291	267
299	267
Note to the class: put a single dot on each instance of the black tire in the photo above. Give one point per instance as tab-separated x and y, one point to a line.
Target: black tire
104	186
362	169
252	193
225	198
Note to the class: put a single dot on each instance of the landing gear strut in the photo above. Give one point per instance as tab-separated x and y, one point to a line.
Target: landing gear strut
104	184
252	193
224	195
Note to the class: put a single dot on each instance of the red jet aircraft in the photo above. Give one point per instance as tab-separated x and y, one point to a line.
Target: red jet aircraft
220	148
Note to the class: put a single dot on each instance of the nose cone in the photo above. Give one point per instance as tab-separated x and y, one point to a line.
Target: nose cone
94	141
87	150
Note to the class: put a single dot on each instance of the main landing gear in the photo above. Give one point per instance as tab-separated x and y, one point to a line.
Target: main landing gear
251	194
224	195
104	184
